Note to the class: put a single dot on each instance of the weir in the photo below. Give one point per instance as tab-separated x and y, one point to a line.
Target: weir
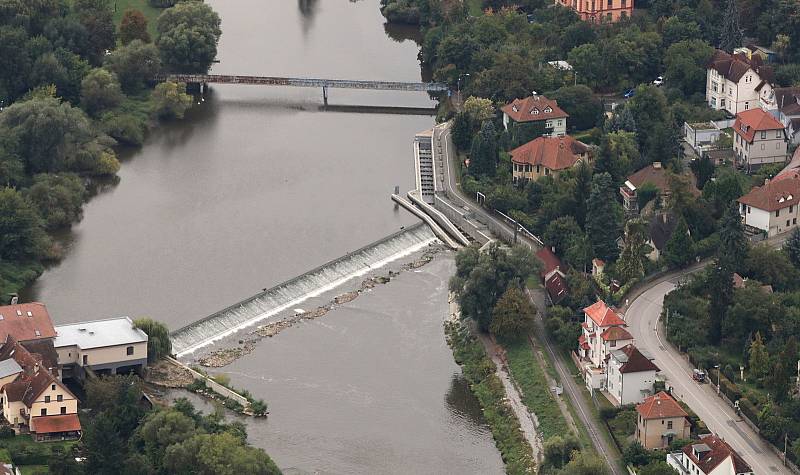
294	291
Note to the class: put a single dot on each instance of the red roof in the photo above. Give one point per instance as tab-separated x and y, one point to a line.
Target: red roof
637	362
616	334
23	321
603	315
582	342
555	153
750	121
55	424
720	451
660	406
556	286
533	108
550	261
782	192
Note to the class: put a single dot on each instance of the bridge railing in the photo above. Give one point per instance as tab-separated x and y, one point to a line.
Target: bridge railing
304	82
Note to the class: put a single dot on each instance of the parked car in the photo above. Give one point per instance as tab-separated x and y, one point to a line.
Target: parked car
629	93
658	81
699	376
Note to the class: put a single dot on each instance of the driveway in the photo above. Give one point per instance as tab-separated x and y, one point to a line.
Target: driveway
642	317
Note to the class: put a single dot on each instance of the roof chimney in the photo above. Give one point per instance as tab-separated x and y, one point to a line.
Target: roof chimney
766	181
657	165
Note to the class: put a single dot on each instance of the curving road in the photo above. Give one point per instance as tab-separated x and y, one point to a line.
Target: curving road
642	316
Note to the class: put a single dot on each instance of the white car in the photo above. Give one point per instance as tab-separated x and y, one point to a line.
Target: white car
658	81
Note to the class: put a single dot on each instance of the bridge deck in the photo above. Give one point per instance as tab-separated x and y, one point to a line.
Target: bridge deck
306	82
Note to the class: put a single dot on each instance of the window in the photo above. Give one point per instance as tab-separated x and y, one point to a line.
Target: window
63	409
791	208
53	387
129	350
763	146
44	411
748	210
714	86
763	134
59	398
794	221
722	102
624	4
746	105
613	343
85	359
47	399
777	213
777	134
610	3
669	425
787	223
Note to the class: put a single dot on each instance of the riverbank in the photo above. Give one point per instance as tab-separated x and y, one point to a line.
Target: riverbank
514	443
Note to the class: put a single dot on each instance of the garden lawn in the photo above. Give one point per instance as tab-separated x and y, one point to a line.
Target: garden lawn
151	13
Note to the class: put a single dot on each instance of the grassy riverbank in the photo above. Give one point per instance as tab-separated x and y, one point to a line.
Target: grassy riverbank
536	394
487	387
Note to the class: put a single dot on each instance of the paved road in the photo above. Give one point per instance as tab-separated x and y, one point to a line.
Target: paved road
450	173
643	320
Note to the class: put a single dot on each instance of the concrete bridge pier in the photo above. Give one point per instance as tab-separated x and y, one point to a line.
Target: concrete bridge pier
325	95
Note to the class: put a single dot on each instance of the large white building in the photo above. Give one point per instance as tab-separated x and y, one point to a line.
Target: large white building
102	345
773	207
630	375
737	83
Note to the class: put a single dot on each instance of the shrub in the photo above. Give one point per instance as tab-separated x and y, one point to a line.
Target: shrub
197	385
259	407
233	405
608	413
6	432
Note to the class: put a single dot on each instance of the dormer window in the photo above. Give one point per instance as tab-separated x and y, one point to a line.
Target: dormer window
548	110
535	111
515	108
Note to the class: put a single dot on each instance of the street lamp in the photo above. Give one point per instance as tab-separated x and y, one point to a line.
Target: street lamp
719	370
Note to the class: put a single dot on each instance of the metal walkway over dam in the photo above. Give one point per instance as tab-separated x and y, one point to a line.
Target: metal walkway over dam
325	84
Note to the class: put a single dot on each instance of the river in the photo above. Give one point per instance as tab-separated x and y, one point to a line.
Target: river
258	185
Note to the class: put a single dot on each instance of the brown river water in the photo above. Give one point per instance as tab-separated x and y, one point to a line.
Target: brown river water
259	185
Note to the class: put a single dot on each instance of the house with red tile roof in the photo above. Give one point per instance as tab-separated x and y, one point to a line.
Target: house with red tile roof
602	332
772	209
545	156
660	420
536	108
759	139
711	455
630	373
33	399
26	322
736	82
553	277
659	177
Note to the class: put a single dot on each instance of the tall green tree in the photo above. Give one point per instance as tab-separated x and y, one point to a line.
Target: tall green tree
720	291
792	247
604	218
187	37
134	64
733	243
731	37
679	250
159	344
22	236
513	315
100	91
583	187
758	360
484	150
632	260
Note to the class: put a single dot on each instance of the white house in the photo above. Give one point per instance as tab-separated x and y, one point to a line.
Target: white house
711	456
737	83
603	331
773	207
107	345
630	375
758	139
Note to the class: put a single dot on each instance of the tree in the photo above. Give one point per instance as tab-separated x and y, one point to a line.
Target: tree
792	247
163	429
513	315
679	250
98	19
731	32
632	260
483	152
558	450
585	463
171	100
133	27
685	65
159	344
733	244
720	291
758	361
462	131
57	198
479	109
635	454
659	467
52	136
583	186
604	218
222	454
100	91
134	64
103	445
703	170
583	106
561	232
187	37
22	236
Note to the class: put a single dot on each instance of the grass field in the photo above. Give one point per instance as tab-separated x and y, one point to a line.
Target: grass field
151	13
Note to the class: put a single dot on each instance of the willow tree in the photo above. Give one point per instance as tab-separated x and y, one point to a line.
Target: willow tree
159	344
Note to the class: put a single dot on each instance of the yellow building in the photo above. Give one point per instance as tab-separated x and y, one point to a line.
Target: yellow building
545	156
660	421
